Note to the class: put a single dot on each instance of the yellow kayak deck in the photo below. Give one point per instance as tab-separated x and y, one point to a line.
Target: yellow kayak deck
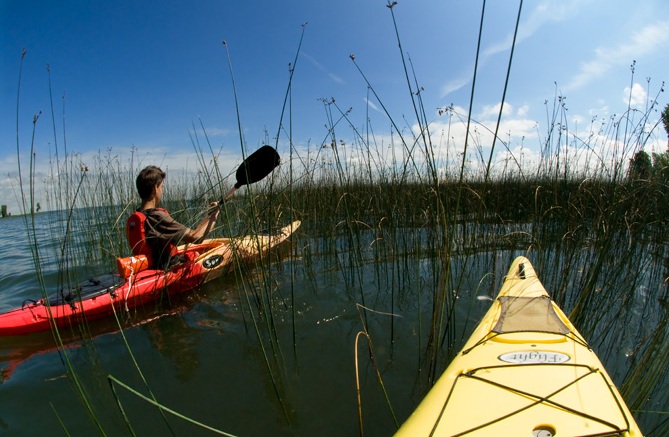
525	371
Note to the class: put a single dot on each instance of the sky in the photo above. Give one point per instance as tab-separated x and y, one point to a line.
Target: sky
147	78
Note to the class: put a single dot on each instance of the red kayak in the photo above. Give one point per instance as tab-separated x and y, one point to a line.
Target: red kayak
134	286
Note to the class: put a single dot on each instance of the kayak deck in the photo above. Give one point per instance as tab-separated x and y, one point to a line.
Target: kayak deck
525	371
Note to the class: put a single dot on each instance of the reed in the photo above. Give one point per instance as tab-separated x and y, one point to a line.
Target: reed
583	222
591	236
408	227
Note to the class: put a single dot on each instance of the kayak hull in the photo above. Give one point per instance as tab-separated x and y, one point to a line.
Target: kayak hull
524	371
205	262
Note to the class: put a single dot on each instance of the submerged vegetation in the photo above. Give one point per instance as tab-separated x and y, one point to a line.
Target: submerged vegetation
404	226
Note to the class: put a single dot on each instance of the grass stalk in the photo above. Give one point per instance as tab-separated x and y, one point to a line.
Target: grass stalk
418	232
113	382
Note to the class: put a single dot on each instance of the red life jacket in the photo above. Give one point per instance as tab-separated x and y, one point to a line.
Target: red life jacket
136	233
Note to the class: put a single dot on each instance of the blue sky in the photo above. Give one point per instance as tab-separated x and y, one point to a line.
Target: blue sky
139	74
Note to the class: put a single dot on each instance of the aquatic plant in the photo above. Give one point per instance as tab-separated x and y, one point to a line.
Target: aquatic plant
416	232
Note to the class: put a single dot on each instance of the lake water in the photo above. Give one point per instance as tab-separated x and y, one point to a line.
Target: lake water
292	372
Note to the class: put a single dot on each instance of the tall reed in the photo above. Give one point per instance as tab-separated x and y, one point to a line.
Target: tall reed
422	215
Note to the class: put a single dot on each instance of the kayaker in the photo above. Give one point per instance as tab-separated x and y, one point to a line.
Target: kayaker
152	231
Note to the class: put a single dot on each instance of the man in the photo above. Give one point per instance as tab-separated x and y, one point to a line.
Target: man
152	232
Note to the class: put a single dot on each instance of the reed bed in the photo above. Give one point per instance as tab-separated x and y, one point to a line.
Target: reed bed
598	243
404	226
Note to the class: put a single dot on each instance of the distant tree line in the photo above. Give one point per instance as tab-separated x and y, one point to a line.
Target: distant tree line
5	213
645	168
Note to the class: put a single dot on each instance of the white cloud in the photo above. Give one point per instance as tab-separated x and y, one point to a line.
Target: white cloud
454	85
546	11
651	39
321	67
491	112
216	132
636	97
180	164
371	104
576	120
600	112
335	78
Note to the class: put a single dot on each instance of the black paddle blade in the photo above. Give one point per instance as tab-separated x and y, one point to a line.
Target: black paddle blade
258	165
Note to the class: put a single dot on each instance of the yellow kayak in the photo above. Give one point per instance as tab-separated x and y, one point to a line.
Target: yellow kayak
525	371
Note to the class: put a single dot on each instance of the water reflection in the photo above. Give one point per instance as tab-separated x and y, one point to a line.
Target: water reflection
16	350
170	337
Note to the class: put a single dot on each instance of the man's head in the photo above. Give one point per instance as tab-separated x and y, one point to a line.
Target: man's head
148	179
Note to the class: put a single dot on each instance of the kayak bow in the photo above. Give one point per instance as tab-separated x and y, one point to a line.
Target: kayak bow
525	371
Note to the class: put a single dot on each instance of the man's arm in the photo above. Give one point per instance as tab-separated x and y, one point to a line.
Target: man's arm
204	227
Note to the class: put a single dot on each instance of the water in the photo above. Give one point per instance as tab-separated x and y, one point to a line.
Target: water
16	265
290	373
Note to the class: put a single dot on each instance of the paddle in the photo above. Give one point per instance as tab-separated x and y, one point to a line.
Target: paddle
254	168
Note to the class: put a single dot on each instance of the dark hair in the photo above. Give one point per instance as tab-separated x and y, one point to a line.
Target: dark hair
148	178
